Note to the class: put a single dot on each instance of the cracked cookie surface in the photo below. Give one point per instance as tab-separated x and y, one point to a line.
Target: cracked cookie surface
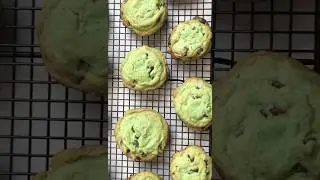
144	17
193	103
145	176
142	134
190	40
192	163
267	123
85	163
144	69
73	39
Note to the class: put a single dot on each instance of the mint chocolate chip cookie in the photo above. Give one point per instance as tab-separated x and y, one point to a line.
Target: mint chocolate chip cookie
144	69
144	17
267	120
190	40
192	163
193	103
142	134
73	37
145	176
85	163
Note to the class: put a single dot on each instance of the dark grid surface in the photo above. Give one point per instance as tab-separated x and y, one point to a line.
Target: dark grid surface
38	116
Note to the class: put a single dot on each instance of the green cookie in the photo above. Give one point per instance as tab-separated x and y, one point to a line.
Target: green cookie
267	123
144	17
190	40
142	134
145	176
73	37
193	103
192	163
144	69
85	163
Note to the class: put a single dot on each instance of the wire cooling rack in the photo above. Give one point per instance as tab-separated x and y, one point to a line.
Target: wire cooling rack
39	117
120	99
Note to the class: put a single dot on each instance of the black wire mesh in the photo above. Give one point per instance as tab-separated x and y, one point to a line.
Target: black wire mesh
120	99
39	117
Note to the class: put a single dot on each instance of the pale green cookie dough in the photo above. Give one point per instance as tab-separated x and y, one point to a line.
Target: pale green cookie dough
73	36
267	120
190	40
85	163
193	103
142	134
145	176
144	17
191	164
144	69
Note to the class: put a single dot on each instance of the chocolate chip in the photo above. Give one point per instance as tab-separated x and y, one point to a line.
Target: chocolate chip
151	68
299	168
277	84
263	113
203	21
191	158
199	51
185	51
196	96
275	111
135	143
194	170
132	129
239	132
82	66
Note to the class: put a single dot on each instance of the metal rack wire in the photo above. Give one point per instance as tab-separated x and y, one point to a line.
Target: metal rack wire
39	117
120	98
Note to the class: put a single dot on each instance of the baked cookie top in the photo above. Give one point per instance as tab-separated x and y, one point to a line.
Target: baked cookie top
193	103
144	17
192	163
85	163
266	121
73	38
144	69
142	134
145	176
190	40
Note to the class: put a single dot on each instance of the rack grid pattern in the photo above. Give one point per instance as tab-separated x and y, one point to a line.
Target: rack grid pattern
39	117
120	99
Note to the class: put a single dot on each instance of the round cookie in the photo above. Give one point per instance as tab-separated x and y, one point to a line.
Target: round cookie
193	103
144	17
190	40
72	35
145	176
267	123
85	163
192	163
142	134
144	69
